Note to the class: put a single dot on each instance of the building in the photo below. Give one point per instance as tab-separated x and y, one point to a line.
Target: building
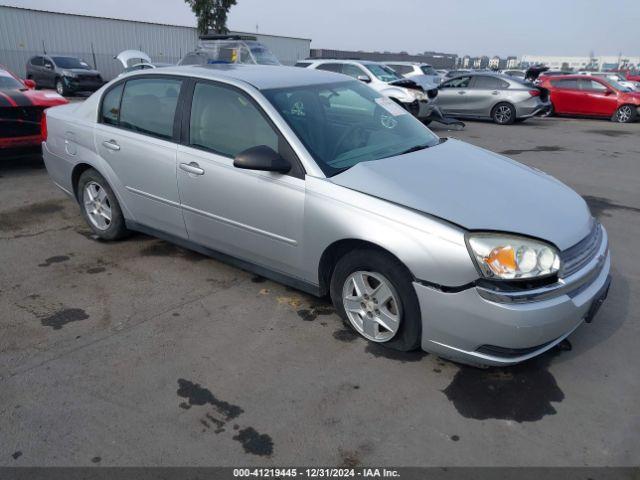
25	32
598	63
435	59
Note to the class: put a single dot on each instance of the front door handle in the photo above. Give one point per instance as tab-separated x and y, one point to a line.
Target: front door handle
462	92
192	168
111	145
495	92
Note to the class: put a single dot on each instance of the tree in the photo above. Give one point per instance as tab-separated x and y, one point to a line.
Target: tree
211	14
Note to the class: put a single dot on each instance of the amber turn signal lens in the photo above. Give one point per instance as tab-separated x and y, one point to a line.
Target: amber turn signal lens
502	260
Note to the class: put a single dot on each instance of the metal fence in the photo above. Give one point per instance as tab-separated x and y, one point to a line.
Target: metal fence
25	33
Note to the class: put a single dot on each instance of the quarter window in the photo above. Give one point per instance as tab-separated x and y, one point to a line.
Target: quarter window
486	83
149	106
111	105
226	121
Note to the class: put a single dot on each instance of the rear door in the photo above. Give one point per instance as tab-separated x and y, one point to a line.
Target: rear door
136	137
566	96
483	95
254	215
599	98
452	97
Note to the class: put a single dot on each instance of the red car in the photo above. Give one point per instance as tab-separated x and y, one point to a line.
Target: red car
584	95
21	108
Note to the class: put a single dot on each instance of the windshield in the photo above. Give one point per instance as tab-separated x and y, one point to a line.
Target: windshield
428	70
71	62
383	72
263	55
7	82
346	123
617	86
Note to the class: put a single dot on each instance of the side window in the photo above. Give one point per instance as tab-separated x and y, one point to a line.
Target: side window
226	121
592	85
47	63
302	64
565	84
353	71
401	69
193	59
485	82
330	67
110	112
458	82
149	106
37	61
502	84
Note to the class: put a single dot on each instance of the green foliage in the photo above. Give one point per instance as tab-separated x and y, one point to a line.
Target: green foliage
211	14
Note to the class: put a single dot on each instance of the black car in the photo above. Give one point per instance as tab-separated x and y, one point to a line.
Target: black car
64	73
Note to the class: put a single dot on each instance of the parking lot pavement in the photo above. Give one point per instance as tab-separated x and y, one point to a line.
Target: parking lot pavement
142	353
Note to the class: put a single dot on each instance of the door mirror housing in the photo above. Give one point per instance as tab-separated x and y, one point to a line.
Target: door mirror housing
30	84
609	92
364	79
261	158
48	66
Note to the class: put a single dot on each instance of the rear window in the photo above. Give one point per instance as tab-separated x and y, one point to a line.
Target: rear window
302	64
149	105
428	70
330	67
401	69
37	61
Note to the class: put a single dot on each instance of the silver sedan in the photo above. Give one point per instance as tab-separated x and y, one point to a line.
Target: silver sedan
322	183
501	98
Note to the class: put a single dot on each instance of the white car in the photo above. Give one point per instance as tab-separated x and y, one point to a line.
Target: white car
418	72
383	79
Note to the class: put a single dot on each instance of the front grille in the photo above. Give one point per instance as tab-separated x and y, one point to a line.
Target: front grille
504	352
576	257
88	78
20	121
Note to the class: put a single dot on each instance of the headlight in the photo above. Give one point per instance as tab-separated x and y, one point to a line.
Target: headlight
69	74
508	257
417	95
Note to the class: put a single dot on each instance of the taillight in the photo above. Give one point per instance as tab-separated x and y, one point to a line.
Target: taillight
43	126
534	93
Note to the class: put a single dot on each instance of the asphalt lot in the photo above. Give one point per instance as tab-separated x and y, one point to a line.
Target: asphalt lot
142	353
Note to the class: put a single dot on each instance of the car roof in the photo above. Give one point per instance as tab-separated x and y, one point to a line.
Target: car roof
262	77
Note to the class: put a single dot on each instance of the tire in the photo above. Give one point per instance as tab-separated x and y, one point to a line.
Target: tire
92	184
61	88
503	114
377	265
625	114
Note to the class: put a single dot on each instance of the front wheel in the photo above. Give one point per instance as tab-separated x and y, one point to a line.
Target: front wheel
504	114
100	207
374	295
61	88
625	114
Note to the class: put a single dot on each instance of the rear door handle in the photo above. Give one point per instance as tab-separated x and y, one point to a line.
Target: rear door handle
495	92
111	145
462	92
192	168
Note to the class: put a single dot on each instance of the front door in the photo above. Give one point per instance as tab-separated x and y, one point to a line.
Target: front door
253	215
135	138
599	99
452	97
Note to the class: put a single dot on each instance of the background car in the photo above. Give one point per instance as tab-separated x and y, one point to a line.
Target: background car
383	79
66	74
21	109
592	97
417	72
214	49
503	99
455	73
514	73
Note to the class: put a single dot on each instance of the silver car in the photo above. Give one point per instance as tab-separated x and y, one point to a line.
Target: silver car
501	98
320	182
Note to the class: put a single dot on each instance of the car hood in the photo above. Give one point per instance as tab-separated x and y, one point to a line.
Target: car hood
127	55
30	98
476	189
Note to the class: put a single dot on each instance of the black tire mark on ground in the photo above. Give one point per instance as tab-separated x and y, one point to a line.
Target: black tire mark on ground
601	206
543	148
52	260
60	318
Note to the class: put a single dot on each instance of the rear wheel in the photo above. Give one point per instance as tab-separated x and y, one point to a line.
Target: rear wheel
625	114
374	295
504	114
100	207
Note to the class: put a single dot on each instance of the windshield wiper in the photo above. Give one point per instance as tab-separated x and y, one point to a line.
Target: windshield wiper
415	148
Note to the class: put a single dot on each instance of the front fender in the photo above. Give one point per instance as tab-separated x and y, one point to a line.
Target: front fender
432	249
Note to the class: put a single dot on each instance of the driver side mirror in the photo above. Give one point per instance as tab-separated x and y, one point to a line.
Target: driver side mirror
30	84
364	78
261	158
48	66
608	92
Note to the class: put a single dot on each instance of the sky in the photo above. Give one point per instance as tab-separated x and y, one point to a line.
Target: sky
473	27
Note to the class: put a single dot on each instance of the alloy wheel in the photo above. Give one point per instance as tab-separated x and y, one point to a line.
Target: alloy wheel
503	114
372	305
624	114
97	205
59	87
